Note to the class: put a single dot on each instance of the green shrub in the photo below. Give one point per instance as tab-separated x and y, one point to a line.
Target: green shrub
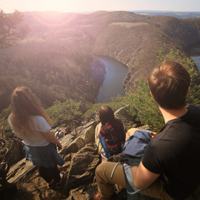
63	113
4	118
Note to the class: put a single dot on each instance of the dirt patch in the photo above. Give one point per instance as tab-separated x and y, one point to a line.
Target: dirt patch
129	24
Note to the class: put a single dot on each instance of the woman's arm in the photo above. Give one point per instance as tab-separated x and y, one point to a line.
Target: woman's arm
51	138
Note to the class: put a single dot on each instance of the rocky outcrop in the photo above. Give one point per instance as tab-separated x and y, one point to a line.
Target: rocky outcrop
82	167
81	156
81	159
11	150
15	152
5	187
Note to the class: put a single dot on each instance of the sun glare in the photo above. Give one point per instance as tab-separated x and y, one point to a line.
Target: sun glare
52	19
60	5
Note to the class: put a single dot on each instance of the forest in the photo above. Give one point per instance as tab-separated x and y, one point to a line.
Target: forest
56	55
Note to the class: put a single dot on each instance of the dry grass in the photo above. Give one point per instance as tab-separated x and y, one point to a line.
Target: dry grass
130	24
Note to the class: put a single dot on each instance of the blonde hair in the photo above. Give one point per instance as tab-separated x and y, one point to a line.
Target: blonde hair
25	105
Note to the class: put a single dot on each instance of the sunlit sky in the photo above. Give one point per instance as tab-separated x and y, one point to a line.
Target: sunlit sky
95	5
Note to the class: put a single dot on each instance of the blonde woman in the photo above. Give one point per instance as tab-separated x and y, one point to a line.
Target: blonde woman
31	123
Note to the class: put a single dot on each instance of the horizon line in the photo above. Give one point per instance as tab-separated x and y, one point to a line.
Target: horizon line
162	11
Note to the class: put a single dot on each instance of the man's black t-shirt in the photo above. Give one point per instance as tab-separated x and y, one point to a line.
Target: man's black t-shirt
175	151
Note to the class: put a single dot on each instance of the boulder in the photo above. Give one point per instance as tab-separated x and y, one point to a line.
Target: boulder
83	165
97	142
5	187
78	138
15	152
83	192
20	170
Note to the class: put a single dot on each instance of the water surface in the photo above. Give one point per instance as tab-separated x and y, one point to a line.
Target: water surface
195	55
113	82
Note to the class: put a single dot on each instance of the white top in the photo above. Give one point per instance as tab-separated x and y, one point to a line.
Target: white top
37	138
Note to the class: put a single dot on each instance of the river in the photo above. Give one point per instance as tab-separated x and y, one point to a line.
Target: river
117	71
195	55
113	80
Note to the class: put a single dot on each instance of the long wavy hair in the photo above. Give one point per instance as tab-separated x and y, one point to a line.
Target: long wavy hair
25	105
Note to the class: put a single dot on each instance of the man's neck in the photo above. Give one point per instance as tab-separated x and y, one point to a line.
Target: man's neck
170	114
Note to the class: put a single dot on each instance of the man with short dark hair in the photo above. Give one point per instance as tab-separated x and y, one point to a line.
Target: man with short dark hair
170	166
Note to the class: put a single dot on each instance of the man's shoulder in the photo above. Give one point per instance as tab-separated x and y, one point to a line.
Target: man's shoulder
194	109
164	138
192	106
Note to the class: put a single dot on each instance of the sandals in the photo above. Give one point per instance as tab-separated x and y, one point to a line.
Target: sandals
62	176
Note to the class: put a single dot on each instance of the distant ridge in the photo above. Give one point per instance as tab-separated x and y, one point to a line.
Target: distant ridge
178	14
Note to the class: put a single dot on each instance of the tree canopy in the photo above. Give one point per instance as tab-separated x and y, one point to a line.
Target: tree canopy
10	29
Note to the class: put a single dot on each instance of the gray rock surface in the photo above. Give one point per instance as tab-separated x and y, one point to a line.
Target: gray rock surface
81	158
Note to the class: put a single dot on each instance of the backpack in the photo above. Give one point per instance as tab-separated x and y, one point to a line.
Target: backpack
134	147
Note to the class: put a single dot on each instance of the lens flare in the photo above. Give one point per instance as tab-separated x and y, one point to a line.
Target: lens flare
53	19
98	70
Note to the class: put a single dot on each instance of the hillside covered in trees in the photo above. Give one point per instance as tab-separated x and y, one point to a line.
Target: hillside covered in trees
58	58
130	38
133	39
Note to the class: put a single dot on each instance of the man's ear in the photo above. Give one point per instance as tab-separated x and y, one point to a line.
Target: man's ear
151	94
187	92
